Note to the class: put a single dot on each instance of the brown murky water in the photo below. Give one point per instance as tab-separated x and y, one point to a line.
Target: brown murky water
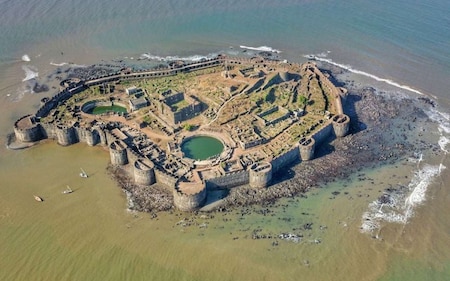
89	234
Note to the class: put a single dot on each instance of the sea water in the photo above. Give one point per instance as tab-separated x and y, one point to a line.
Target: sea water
399	47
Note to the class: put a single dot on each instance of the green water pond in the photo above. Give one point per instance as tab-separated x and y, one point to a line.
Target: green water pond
105	109
201	147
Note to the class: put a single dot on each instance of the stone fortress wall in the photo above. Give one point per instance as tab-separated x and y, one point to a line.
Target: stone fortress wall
259	175
144	172
285	159
229	180
192	201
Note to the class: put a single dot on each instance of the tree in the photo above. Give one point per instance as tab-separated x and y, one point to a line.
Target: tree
188	127
303	100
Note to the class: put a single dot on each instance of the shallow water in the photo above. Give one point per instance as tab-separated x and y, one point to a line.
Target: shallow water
89	233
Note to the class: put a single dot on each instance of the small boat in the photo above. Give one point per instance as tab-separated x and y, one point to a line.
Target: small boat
37	198
83	174
68	190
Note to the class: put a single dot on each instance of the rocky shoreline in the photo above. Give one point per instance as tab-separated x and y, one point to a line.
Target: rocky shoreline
142	198
382	132
373	141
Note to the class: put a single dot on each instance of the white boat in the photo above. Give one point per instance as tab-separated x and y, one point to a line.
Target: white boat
83	174
38	198
68	190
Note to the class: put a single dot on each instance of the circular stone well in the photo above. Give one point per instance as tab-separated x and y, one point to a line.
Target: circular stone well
201	147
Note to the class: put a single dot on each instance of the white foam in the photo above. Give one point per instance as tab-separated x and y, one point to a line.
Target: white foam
444	126
323	54
77	65
443	141
192	58
30	72
445	115
419	185
441	167
395	211
261	48
443	120
418	157
58	64
351	69
67	63
26	58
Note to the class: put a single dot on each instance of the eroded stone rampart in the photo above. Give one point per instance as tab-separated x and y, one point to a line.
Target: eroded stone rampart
30	129
229	180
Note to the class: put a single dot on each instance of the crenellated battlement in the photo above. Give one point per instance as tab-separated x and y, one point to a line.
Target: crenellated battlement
189	196
341	125
269	146
144	172
27	129
260	174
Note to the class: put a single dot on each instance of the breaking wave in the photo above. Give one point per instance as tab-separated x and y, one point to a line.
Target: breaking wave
321	57
67	63
397	205
443	142
59	64
26	58
443	120
261	48
30	72
193	58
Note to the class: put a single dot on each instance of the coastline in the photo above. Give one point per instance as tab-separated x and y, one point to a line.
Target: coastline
366	146
65	117
369	214
372	114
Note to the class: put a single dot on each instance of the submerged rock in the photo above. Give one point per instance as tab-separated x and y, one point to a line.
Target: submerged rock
38	88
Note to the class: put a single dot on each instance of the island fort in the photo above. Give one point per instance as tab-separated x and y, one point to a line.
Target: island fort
265	114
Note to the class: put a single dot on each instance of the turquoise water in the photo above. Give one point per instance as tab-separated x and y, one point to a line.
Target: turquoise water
201	147
395	46
400	41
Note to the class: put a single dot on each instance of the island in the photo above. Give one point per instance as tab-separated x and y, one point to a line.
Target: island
185	130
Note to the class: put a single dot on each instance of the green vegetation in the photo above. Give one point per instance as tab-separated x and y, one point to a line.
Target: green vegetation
217	91
188	127
303	100
179	82
179	105
147	119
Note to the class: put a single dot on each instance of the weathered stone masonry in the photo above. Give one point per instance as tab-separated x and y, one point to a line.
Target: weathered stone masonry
29	129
